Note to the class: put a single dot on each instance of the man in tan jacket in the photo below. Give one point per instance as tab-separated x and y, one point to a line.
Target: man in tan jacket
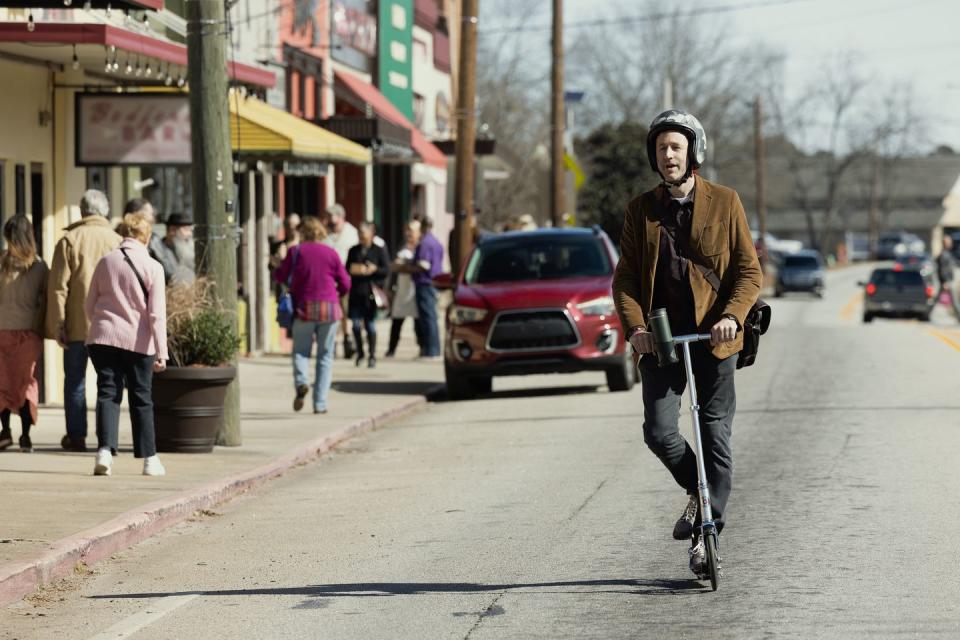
74	259
667	232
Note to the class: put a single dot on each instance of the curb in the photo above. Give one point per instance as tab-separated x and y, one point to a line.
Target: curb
20	579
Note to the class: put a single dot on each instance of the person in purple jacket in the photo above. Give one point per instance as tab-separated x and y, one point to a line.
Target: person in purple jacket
318	281
427	264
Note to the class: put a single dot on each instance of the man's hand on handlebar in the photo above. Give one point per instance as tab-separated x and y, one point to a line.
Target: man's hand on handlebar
723	331
642	342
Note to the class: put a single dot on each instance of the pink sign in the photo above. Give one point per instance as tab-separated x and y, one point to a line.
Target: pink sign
132	129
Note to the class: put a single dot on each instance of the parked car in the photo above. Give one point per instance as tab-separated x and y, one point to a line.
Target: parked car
920	262
898	293
893	244
535	302
801	271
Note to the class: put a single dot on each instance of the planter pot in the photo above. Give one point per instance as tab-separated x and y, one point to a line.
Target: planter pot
188	407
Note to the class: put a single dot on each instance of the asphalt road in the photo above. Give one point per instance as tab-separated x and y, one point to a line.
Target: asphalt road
538	513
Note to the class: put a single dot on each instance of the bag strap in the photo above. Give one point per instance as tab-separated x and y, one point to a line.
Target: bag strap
709	274
293	265
143	286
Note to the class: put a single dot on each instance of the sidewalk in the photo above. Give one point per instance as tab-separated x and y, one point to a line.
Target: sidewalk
50	496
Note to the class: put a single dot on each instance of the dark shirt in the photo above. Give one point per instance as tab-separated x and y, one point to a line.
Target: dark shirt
361	291
671	284
428	251
945	267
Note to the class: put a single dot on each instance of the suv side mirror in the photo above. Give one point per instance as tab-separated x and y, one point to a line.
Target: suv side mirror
443	281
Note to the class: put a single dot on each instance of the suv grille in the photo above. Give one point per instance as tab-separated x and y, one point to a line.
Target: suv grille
532	331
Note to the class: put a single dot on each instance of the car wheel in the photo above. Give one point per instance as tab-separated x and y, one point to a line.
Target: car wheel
924	317
819	293
458	386
621	377
778	293
868	317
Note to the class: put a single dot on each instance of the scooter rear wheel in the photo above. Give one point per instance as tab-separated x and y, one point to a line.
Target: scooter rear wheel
713	560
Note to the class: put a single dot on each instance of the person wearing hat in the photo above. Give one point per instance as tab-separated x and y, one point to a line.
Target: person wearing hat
669	233
176	252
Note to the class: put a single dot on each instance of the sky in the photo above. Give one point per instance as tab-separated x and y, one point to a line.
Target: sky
892	40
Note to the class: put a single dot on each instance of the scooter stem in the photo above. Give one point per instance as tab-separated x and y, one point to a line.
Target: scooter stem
706	512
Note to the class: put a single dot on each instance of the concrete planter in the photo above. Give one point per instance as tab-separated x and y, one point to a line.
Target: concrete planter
188	407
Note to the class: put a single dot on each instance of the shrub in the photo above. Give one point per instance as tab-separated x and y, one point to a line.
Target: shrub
200	332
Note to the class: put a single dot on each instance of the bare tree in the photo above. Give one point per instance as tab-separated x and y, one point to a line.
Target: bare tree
513	106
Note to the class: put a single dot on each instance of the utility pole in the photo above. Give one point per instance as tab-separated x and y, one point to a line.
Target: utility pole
557	175
466	134
212	171
761	196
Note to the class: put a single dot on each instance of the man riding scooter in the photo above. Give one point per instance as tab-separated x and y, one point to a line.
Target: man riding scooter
684	222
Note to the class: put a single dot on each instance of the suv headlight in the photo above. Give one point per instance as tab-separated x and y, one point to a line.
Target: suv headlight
597	307
460	314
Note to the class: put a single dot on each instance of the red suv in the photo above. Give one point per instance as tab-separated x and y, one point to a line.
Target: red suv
535	302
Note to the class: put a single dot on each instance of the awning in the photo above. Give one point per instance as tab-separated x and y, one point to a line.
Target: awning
370	95
117	5
93	43
265	132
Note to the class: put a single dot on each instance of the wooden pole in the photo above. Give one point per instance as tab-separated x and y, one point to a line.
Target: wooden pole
557	173
466	135
761	195
212	171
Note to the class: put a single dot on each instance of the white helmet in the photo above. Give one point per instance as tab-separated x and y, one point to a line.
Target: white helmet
688	125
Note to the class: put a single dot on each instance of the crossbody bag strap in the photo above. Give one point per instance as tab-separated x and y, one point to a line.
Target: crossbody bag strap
293	265
143	286
709	274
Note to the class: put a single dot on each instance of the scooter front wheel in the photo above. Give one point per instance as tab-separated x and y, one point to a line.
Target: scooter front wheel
713	560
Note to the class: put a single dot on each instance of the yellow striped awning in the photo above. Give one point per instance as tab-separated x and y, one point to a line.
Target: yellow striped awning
258	129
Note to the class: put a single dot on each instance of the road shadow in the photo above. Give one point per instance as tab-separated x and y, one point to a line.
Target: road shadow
536	392
637	586
386	387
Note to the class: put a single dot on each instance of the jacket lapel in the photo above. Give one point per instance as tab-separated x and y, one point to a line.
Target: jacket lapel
702	201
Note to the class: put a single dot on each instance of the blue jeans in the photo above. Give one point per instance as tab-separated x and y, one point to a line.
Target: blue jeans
303	336
75	389
426	321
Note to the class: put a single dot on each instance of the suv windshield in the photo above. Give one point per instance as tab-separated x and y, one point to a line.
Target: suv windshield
891	278
801	262
538	257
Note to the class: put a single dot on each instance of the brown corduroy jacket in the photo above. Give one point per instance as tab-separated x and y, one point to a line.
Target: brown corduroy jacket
74	259
719	237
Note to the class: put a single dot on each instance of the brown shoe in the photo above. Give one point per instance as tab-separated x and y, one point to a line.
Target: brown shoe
302	392
73	444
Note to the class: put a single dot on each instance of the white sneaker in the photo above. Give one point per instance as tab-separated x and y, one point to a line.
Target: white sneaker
153	467
103	463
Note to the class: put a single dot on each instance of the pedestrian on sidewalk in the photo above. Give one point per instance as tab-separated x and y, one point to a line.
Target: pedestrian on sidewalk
23	291
403	304
75	257
127	310
176	250
342	236
669	233
318	281
368	267
945	272
427	264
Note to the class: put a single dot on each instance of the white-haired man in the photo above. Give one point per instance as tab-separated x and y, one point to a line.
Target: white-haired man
74	258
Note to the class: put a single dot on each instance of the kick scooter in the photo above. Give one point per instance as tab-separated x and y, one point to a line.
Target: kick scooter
666	344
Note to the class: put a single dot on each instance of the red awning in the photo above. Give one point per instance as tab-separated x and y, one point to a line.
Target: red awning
385	109
106	35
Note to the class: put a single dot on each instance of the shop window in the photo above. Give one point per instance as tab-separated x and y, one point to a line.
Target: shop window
418	110
98	178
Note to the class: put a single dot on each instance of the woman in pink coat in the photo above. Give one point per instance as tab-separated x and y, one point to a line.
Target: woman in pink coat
127	341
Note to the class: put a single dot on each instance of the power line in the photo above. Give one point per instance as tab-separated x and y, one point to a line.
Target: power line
645	18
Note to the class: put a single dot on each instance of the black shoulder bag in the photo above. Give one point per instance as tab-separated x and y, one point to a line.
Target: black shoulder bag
758	318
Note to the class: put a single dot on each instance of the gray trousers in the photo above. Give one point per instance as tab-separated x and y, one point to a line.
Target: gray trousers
662	390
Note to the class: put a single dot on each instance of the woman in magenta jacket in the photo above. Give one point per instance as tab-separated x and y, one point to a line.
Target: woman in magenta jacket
317	279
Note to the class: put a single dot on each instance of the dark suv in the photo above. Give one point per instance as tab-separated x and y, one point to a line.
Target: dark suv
535	302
